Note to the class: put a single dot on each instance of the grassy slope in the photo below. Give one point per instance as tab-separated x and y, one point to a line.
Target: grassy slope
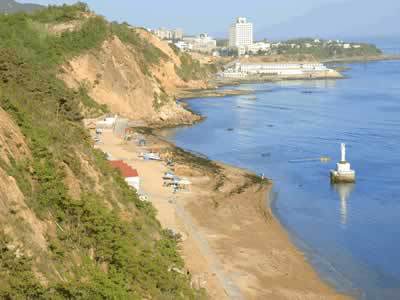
118	258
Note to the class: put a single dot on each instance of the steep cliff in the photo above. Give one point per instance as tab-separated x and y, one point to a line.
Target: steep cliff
70	227
137	75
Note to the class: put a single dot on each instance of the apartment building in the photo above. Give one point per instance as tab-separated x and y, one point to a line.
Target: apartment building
241	33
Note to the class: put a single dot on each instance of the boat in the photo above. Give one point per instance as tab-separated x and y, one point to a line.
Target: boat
151	156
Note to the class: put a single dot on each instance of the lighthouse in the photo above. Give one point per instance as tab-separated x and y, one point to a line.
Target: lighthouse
343	172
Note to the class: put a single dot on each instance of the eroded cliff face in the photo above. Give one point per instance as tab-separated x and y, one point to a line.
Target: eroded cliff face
17	219
117	77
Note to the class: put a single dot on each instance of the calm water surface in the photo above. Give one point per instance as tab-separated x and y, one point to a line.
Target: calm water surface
351	233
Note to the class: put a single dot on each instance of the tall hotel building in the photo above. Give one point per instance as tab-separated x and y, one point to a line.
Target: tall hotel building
241	33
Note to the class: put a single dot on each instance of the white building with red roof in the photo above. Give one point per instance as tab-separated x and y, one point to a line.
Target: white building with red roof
131	175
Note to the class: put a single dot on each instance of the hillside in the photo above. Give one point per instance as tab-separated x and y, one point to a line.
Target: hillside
70	226
135	74
11	6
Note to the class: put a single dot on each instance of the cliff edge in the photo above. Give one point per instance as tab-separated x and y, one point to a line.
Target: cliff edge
137	76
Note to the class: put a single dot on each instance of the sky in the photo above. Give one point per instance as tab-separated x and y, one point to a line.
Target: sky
272	18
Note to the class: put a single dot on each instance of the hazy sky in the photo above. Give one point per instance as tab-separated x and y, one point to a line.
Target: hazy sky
271	18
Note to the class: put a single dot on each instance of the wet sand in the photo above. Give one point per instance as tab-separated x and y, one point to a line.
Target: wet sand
232	244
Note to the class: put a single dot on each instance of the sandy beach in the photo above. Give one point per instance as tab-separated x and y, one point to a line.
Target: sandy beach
231	242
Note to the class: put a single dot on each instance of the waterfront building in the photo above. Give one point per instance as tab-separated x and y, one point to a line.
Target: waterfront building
257	47
276	45
163	33
183	46
241	50
177	34
240	70
241	33
202	43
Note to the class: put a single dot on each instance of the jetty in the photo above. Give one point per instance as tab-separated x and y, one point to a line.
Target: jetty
343	172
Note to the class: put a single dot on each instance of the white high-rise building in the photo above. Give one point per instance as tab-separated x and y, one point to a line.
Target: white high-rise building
241	33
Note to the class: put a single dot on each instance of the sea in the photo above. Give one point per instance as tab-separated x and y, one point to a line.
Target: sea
350	233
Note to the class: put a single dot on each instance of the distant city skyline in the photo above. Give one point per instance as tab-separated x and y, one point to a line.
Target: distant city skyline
272	19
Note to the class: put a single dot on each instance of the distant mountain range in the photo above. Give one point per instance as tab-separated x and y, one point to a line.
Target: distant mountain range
11	6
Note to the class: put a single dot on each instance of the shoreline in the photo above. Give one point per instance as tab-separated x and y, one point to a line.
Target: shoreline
266	206
272	79
215	91
358	59
233	245
211	93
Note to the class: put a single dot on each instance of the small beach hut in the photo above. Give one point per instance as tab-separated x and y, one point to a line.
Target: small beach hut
131	175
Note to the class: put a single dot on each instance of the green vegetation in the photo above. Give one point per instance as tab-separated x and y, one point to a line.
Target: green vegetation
88	103
191	69
160	100
17	280
252	179
98	254
196	161
222	42
150	54
321	49
176	50
62	13
46	50
54	50
199	161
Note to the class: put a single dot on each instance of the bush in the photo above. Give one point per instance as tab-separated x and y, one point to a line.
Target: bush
62	13
191	69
